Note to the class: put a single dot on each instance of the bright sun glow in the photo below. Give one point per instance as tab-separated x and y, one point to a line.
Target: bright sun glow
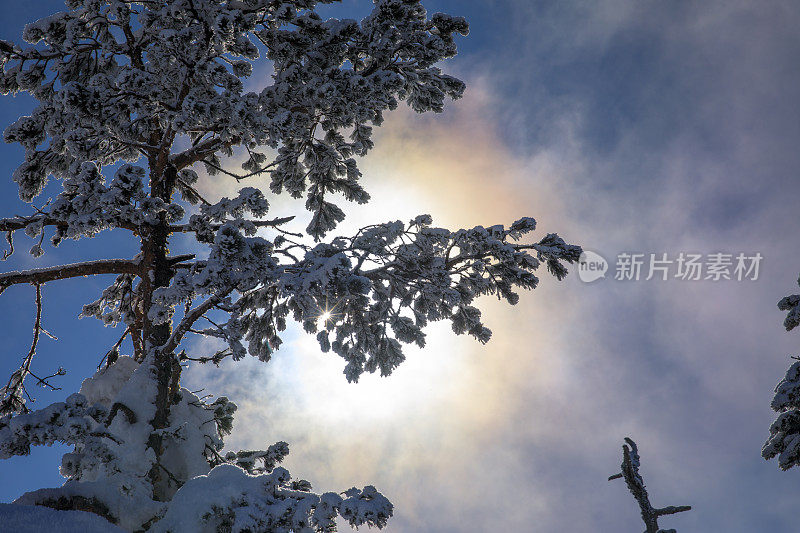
315	378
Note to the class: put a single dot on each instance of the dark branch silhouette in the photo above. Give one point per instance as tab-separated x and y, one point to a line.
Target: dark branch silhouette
635	483
88	268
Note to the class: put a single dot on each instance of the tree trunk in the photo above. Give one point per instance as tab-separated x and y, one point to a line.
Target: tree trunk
165	367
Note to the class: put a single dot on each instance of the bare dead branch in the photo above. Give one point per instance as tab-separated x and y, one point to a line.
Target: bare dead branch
112	354
88	268
12	399
635	483
673	509
10	240
172	261
45	381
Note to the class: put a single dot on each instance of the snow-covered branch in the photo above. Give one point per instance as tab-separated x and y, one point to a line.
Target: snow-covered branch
190	318
784	433
17	223
69	422
635	483
375	290
274	223
201	151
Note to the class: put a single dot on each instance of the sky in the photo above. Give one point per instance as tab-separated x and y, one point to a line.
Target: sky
636	127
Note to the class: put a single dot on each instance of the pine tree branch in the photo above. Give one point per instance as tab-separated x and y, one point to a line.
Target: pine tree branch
266	168
88	268
15	223
22	222
190	318
186	187
30	53
200	152
275	222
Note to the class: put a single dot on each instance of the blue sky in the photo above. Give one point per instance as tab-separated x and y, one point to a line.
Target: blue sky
651	127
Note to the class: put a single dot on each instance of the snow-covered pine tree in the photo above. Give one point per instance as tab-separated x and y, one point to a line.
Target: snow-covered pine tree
134	99
784	433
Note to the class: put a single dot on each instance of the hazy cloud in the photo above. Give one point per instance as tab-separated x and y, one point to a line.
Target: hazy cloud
624	127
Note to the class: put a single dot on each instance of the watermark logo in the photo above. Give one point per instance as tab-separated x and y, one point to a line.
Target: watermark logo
629	266
591	266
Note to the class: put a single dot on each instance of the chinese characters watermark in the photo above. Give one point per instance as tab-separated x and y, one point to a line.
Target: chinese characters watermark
685	266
